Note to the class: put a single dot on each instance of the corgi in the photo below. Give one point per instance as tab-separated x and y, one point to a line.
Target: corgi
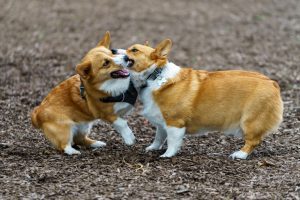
97	91
183	100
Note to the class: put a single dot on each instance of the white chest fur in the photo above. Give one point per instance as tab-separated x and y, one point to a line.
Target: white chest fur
151	110
115	87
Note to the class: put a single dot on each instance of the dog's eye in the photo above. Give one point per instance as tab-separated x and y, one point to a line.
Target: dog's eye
106	63
134	50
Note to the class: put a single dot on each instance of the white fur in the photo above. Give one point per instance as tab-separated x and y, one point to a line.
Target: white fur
115	87
239	155
159	140
119	60
70	150
174	138
169	71
140	78
98	144
151	110
121	51
122	128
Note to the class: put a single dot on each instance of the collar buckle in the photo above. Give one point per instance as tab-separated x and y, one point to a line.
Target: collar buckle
155	75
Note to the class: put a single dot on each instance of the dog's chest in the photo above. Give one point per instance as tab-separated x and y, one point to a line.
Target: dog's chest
151	110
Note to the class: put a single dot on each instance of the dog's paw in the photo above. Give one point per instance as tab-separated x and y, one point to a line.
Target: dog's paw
166	156
129	140
239	155
152	148
98	144
71	151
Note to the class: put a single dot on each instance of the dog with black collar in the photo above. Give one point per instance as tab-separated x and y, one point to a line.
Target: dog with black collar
100	90
184	100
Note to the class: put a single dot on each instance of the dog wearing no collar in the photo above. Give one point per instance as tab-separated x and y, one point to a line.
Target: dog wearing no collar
67	113
183	100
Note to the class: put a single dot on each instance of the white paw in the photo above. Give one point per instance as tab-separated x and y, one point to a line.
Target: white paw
98	144
129	140
239	155
153	147
122	128
168	154
71	151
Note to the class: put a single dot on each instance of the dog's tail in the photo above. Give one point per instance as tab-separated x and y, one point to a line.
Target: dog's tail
34	117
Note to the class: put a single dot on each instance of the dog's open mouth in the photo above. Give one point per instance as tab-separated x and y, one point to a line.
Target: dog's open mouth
122	73
130	63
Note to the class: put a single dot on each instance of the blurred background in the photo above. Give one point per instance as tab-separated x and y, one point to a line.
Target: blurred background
42	41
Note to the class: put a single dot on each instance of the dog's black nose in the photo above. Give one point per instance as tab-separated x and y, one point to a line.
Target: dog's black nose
126	59
114	51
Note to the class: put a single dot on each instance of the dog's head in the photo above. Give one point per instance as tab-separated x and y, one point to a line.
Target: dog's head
99	70
139	58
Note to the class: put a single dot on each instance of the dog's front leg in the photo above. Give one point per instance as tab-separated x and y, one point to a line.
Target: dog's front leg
159	140
174	138
122	128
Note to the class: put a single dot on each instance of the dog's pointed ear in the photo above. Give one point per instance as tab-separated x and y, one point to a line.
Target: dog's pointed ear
162	49
84	69
146	43
105	40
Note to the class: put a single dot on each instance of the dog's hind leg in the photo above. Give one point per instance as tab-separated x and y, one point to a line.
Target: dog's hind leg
252	139
81	132
61	135
258	120
159	140
254	129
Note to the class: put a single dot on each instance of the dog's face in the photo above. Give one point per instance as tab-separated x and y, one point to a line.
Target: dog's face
98	65
139	57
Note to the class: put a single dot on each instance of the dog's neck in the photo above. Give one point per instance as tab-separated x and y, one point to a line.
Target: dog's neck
169	70
126	93
90	92
115	87
139	79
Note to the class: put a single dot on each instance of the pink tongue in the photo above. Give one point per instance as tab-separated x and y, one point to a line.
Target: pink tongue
123	72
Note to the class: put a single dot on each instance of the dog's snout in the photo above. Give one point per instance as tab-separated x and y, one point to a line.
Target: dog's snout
114	51
126	59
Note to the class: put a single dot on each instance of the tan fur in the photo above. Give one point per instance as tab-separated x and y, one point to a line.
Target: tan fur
63	107
221	100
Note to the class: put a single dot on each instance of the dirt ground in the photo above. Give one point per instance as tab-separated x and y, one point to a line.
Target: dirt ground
42	41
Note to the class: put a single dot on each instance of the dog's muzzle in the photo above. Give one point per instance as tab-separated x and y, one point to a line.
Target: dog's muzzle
129	61
118	51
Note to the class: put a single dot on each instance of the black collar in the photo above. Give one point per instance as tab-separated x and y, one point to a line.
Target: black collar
81	89
129	96
156	73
